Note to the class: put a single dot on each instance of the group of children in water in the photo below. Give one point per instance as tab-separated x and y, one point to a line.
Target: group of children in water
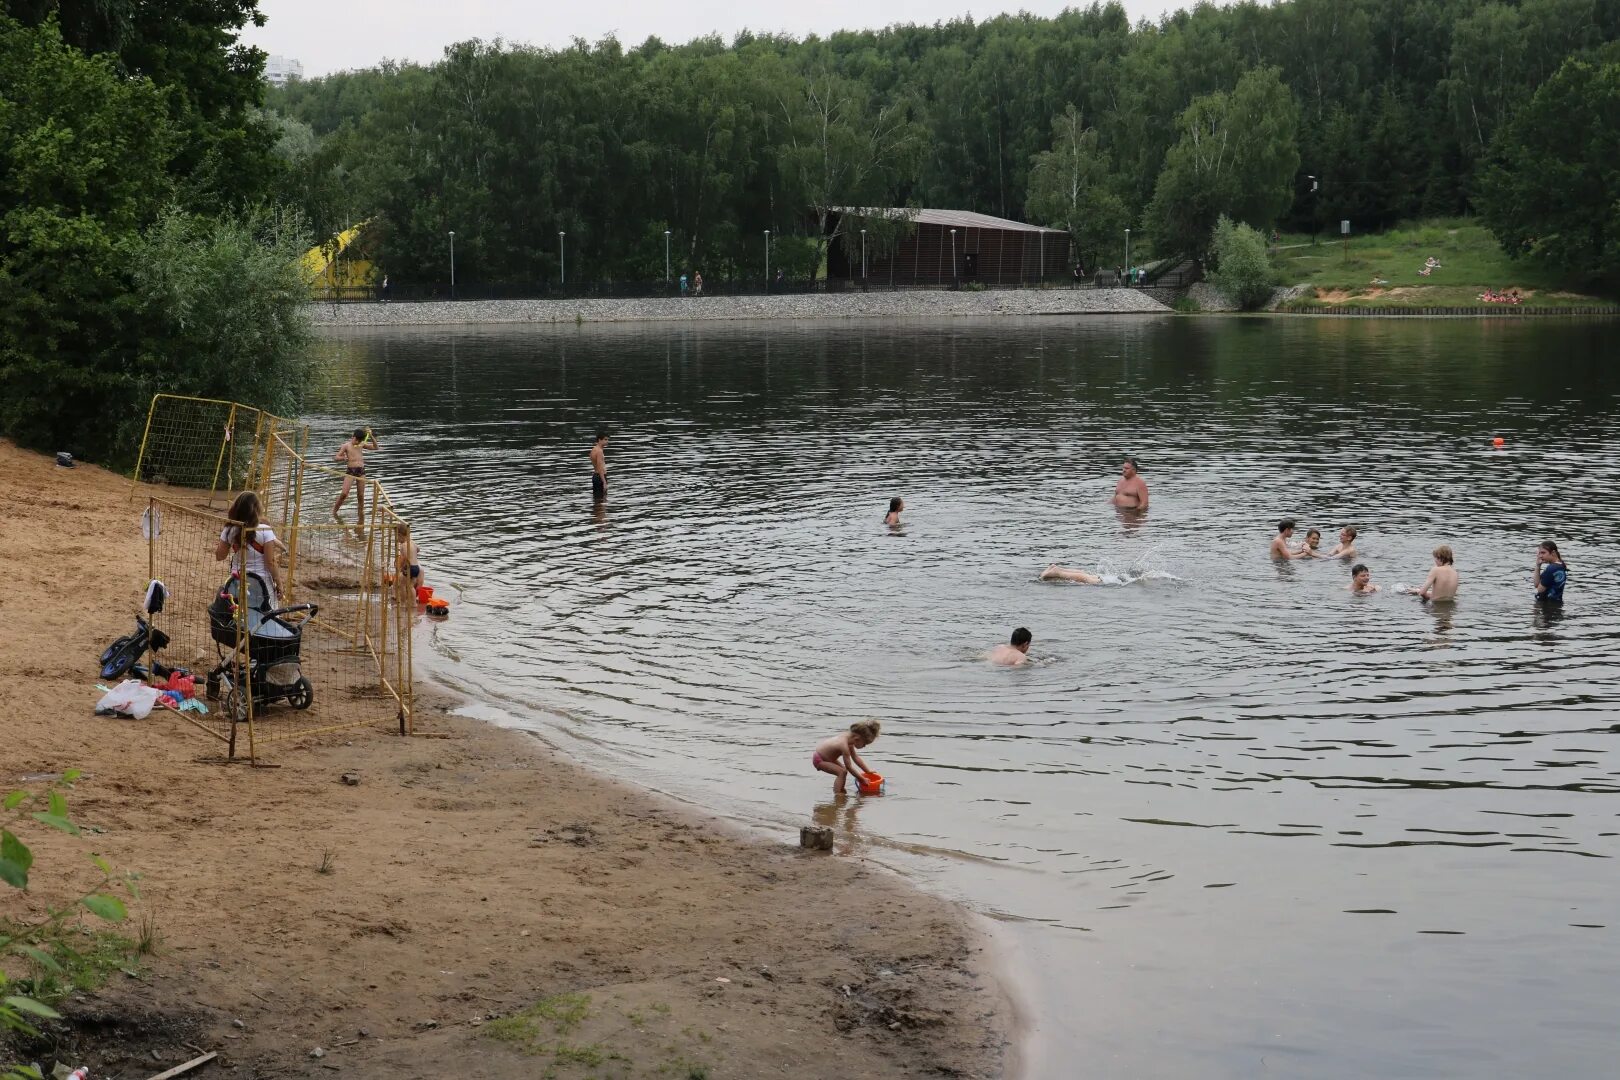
1442	581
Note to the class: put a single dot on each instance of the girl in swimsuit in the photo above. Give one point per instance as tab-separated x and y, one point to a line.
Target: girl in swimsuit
837	755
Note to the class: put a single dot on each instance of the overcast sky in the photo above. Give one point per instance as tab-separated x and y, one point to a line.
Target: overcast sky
335	35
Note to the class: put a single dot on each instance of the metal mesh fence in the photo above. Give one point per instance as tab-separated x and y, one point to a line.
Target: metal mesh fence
340	655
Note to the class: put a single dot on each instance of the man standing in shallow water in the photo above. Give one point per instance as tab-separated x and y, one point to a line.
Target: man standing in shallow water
599	467
1131	492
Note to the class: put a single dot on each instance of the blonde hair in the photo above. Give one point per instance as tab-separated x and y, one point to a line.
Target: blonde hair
1443	553
866	729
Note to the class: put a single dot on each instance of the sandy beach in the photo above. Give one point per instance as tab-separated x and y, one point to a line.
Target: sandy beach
475	906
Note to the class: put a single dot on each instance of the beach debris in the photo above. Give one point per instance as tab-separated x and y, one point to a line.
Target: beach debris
365	1033
816	838
427	1025
238	1025
186	1066
766	972
350	778
722	979
318	1052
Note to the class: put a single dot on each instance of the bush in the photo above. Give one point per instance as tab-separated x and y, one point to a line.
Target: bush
1242	273
1186	305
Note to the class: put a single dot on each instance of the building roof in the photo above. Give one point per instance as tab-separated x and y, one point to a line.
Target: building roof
950	219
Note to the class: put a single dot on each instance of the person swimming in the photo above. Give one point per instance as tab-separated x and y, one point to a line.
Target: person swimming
892	518
1313	541
1279	543
1361	580
1064	573
1015	653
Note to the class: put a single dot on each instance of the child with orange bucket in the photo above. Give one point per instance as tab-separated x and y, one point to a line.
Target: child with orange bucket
407	564
837	756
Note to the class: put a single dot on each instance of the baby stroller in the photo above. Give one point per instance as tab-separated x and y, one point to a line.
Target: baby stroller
272	671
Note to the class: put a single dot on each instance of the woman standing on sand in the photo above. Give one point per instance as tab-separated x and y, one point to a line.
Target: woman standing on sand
257	542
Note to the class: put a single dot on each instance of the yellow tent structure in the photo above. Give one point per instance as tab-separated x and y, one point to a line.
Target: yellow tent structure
331	276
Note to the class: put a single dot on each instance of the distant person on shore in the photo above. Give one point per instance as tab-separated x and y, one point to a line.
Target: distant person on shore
599	467
892	518
1279	543
697	284
1063	573
352	454
1551	573
385	289
683	284
1361	579
1441	584
1347	544
257	543
1014	654
1131	492
838	756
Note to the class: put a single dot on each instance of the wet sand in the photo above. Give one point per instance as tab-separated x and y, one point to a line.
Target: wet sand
488	908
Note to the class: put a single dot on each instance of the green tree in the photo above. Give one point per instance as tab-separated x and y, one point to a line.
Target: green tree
1549	190
1071	186
1241	269
1237	156
83	166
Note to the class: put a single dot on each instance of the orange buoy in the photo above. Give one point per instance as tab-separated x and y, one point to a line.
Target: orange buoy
1499	442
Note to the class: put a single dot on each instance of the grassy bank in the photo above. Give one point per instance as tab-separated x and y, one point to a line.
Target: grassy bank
1383	270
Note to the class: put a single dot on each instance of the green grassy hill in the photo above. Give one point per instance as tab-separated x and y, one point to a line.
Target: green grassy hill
1382	270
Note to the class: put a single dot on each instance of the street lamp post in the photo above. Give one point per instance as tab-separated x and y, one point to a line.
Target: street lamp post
1127	255
562	259
863	258
767	260
452	264
666	256
955	282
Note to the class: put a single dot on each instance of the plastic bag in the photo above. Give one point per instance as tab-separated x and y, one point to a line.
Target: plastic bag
129	698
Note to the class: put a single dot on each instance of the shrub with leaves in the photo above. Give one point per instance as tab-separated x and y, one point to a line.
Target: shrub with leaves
1242	272
51	945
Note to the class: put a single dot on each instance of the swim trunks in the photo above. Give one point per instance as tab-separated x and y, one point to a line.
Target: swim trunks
416	571
815	760
357	470
598	487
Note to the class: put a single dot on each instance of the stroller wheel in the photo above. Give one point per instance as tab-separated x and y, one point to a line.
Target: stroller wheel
302	695
236	705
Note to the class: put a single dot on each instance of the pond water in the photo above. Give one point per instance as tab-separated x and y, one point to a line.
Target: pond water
1235	820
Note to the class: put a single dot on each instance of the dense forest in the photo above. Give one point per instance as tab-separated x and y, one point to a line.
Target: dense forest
1298	113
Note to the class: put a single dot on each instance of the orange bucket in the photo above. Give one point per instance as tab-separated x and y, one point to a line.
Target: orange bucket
424	593
870	784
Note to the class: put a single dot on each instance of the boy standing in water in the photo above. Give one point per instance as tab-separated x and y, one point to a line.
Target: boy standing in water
1347	544
1441	584
1361	580
352	454
599	467
1279	543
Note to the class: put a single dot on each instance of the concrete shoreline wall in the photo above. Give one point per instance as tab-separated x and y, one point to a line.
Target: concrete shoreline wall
696	309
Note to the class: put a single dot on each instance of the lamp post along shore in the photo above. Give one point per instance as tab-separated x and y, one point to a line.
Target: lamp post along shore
452	264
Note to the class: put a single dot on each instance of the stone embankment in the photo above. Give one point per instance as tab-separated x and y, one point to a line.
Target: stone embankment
925	305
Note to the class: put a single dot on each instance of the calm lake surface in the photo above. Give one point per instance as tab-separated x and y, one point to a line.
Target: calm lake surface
1237	821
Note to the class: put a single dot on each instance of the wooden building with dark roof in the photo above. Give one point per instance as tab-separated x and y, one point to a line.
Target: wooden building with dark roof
948	247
